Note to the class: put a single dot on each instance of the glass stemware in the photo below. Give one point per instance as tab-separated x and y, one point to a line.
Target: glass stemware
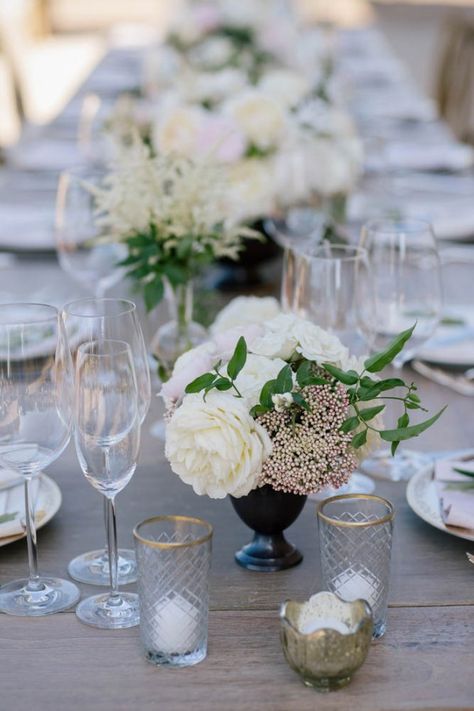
88	320
406	275
335	291
107	439
35	425
82	251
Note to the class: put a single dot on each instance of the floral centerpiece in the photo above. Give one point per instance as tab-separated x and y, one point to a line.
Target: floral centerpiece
175	217
277	411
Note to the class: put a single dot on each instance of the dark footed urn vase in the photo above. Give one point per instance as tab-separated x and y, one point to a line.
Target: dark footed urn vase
268	513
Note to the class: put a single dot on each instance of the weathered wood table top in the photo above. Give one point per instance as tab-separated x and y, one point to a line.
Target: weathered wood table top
425	660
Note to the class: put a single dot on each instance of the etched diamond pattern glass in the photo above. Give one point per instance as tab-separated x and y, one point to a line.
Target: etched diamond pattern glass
356	543
173	557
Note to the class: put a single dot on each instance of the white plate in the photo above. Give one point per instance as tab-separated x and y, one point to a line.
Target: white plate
423	500
48	502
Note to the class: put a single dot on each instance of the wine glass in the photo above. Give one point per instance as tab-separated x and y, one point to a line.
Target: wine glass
88	320
82	251
107	439
335	291
36	398
405	268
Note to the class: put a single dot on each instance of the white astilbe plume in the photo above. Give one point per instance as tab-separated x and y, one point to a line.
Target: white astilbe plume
178	197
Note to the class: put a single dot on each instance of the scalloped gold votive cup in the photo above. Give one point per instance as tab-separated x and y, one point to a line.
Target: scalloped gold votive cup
325	639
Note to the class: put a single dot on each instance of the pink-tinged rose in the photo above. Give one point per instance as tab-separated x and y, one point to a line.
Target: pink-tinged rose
206	16
186	370
220	136
225	342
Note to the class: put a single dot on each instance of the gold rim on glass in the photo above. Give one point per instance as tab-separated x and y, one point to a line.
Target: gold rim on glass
356	524
159	544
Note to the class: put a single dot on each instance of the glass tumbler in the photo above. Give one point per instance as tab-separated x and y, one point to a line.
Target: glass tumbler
355	536
174	560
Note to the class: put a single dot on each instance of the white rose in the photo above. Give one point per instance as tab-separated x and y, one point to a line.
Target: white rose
216	446
244	310
214	86
282	402
213	52
257	371
251	191
318	345
285	86
334	169
259	116
278	339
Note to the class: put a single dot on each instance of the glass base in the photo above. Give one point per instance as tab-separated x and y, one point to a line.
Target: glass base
158	430
93	567
176	660
109	613
401	467
357	484
327	684
48	596
379	629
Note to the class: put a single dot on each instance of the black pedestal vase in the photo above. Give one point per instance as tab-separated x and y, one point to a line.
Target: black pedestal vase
268	513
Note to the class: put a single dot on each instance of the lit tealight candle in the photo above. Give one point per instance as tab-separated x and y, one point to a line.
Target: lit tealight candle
176	629
329	623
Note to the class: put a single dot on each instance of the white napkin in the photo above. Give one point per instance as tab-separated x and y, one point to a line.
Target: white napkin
429	156
12	504
455	492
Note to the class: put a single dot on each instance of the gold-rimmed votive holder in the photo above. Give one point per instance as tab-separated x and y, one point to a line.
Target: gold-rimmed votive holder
355	536
325	639
173	560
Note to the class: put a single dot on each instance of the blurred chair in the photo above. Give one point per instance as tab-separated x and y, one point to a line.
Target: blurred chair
455	82
47	68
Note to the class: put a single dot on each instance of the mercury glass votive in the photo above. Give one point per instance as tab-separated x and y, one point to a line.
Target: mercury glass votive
174	560
355	535
326	639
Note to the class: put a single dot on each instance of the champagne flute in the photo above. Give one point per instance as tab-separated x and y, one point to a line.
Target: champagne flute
35	425
107	439
335	292
406	274
82	253
88	320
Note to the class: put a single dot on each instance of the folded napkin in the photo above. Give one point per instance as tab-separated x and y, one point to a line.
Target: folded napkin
455	492
12	504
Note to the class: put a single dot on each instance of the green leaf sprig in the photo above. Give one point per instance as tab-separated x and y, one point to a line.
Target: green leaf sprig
362	388
216	380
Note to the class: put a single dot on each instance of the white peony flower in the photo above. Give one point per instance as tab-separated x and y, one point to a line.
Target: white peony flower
286	87
259	116
244	310
216	446
318	345
257	371
178	131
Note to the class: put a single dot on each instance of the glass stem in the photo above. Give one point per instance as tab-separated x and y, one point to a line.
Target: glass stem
34	583
106	524
112	545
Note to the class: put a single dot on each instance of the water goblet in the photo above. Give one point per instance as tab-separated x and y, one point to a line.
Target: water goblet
36	402
89	320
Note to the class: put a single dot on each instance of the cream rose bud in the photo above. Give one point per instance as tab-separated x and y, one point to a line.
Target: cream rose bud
259	116
282	401
216	446
318	345
251	190
257	371
245	310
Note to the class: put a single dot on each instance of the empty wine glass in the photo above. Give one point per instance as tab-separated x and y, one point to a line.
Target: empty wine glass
335	292
107	439
35	425
81	245
88	320
406	275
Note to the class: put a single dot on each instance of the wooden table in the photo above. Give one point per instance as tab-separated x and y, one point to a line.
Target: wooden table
425	661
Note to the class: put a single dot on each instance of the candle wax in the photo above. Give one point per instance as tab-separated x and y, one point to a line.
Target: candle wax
176	628
354	586
324	623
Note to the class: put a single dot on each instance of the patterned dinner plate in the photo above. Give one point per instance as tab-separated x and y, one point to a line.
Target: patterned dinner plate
423	500
47	503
